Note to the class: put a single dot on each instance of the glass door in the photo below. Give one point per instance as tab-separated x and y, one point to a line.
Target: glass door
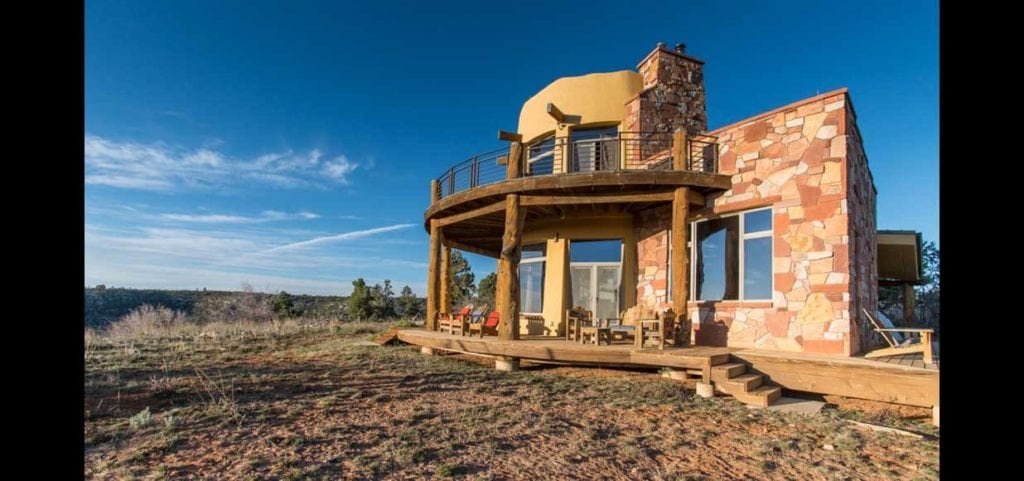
596	276
594	149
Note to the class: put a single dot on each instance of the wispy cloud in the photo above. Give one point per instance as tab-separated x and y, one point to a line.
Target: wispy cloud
265	216
359	234
158	167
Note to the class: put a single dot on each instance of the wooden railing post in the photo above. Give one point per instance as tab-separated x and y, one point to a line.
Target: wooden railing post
680	153
514	169
435	191
445	282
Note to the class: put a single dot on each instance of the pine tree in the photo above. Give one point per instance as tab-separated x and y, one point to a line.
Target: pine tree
359	307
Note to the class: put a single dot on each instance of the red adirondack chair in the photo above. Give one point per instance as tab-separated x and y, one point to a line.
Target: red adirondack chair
488	325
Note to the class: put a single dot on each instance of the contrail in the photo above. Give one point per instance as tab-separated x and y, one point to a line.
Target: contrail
359	234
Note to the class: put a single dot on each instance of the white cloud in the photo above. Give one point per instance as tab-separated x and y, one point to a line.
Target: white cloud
158	167
359	234
265	216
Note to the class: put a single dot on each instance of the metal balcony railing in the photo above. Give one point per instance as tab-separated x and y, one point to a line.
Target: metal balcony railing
626	151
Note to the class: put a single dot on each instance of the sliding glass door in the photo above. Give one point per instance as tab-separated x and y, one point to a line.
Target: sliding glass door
596	276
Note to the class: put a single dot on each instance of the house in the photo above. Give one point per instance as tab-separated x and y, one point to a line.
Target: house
612	192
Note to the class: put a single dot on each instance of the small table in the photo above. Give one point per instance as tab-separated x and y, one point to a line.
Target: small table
596	334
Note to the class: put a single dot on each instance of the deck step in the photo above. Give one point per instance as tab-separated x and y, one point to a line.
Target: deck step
723	372
763	396
747	382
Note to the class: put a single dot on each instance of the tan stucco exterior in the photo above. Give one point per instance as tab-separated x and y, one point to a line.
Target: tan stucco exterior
556	270
598	99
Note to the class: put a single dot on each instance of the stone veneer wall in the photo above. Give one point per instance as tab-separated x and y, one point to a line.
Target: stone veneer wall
673	94
795	160
861	196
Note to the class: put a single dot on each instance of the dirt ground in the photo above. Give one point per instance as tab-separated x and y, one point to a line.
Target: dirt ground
317	403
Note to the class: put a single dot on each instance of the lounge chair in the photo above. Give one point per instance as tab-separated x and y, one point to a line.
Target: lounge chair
459	320
898	343
487	325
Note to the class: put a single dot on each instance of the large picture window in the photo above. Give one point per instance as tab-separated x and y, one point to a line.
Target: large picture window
596	276
531	278
733	257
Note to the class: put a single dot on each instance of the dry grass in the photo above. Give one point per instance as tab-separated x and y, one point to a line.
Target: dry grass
309	401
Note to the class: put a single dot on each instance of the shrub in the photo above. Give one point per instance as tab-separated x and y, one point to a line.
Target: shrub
141	420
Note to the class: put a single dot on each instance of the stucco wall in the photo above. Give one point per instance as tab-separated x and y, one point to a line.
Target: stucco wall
598	98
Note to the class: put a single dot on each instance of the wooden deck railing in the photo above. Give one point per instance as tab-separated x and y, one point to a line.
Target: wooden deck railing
627	151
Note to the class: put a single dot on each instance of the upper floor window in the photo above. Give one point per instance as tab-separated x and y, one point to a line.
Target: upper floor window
540	156
733	257
594	149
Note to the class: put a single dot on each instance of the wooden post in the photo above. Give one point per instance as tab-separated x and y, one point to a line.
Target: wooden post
507	292
514	169
433	277
445	283
680	154
435	191
681	262
908	305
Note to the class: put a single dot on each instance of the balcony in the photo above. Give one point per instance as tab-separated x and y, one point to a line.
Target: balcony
625	152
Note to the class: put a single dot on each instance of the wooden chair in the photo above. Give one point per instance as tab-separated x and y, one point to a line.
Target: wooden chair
488	325
899	344
576	318
660	331
451	322
624	327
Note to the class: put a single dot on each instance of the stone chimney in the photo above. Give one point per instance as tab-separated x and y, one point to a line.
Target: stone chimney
673	94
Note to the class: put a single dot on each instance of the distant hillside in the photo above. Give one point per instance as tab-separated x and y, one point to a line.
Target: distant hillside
105	305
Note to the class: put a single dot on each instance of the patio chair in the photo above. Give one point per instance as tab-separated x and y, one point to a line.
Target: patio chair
487	325
576	318
898	343
451	322
660	331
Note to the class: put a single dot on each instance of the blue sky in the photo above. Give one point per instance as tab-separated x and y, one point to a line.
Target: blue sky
290	144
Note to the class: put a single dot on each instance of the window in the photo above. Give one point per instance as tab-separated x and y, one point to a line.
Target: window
596	276
733	257
531	278
540	156
594	149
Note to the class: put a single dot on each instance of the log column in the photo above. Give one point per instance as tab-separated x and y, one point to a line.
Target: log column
681	262
445	282
507	290
433	277
909	299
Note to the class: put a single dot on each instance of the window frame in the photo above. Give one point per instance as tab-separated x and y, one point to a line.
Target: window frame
594	265
740	253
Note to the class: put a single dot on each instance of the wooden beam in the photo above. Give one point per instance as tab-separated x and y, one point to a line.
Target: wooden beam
510	136
487	209
476	250
542	200
695	198
680	154
681	262
445	298
514	169
555	113
433	277
507	292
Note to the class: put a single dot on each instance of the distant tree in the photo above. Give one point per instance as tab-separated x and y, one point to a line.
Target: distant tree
284	305
359	307
461	283
101	287
486	289
382	301
408	304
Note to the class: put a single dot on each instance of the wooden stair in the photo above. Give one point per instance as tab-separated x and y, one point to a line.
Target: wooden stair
732	378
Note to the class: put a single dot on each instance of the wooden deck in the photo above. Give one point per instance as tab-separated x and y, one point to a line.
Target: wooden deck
878	380
561	351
